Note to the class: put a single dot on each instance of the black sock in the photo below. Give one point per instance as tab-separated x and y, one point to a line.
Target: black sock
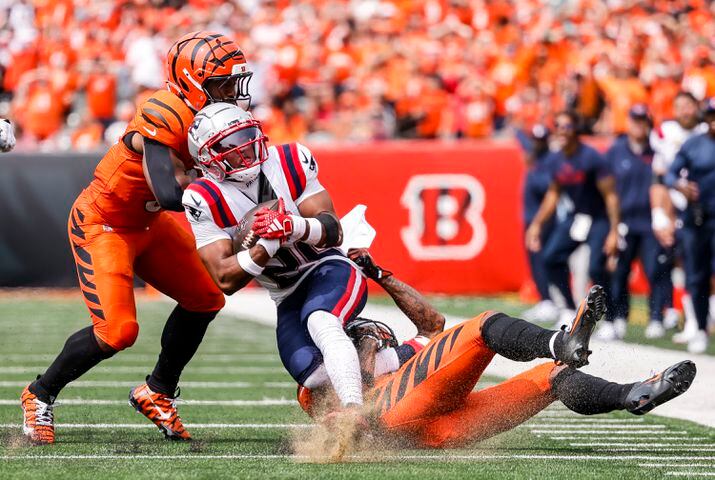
80	353
518	339
589	395
182	336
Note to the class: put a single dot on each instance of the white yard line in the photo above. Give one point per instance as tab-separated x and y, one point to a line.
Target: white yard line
221	403
677	465
130	357
611	360
102	426
609	426
658	449
396	457
691	474
641	444
232	370
125	384
627	438
584	420
603	432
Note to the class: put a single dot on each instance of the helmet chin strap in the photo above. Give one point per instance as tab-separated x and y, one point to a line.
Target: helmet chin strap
246	177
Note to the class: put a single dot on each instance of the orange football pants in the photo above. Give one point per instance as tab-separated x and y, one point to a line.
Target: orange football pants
163	255
430	400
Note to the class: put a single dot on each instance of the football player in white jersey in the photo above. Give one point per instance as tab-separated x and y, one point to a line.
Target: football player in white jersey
666	141
317	289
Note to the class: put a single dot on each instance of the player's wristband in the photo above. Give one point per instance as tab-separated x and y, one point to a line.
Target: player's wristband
299	227
247	264
271	246
315	232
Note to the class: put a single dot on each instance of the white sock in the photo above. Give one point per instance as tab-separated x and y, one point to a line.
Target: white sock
318	378
339	356
551	344
711	308
386	361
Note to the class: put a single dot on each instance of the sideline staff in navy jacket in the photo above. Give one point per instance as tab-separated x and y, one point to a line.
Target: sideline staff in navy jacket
693	174
582	179
535	144
631	158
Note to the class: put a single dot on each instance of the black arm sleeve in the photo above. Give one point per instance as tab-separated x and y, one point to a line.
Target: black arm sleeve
161	172
333	231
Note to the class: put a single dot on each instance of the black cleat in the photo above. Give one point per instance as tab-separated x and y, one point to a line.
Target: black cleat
648	394
574	351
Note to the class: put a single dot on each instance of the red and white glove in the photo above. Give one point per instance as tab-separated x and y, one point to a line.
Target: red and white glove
274	224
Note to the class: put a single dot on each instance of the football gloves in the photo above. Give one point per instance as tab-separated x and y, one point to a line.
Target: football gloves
274	224
361	256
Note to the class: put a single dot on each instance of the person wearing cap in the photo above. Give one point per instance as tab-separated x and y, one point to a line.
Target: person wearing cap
692	173
582	185
535	144
631	158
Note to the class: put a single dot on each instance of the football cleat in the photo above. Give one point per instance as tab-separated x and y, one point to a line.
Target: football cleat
161	410
38	423
577	335
660	388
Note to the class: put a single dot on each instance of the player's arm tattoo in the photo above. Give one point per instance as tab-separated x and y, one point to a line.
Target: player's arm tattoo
427	319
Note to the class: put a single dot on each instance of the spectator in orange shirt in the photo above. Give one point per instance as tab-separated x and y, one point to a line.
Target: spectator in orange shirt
622	90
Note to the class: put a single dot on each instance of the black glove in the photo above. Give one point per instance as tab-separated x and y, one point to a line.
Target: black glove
363	260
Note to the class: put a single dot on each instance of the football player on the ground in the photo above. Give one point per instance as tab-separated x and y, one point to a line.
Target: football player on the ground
118	227
317	289
7	135
429	400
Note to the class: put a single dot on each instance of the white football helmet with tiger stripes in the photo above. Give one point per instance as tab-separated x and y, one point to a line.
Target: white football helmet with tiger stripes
226	141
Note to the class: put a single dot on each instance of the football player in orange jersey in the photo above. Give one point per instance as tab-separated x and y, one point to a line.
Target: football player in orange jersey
423	391
118	226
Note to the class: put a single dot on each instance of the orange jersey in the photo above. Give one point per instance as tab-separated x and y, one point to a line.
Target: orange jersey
119	194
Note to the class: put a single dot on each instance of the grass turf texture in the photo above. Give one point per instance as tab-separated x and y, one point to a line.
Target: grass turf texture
35	328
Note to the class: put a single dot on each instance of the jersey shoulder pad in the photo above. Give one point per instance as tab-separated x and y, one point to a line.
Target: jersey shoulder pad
164	117
307	161
205	198
295	164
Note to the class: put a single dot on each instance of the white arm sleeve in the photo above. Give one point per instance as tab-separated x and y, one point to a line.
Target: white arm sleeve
202	223
310	167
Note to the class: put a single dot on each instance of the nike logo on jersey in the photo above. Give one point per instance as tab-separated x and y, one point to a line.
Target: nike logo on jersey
151	132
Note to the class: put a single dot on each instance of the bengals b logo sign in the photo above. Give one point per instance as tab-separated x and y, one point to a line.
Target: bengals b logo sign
445	212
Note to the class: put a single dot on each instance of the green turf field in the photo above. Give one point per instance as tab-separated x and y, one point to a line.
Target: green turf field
240	401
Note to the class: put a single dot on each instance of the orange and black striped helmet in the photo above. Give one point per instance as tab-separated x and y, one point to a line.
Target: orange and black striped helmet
208	67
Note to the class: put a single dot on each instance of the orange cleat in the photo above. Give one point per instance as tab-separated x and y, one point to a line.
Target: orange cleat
161	410
38	423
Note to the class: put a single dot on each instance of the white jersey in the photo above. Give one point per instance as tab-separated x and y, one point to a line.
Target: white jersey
214	209
667	140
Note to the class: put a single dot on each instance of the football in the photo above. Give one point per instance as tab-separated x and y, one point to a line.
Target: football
245	238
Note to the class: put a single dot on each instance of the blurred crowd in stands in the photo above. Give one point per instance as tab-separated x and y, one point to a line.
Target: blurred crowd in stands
73	70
